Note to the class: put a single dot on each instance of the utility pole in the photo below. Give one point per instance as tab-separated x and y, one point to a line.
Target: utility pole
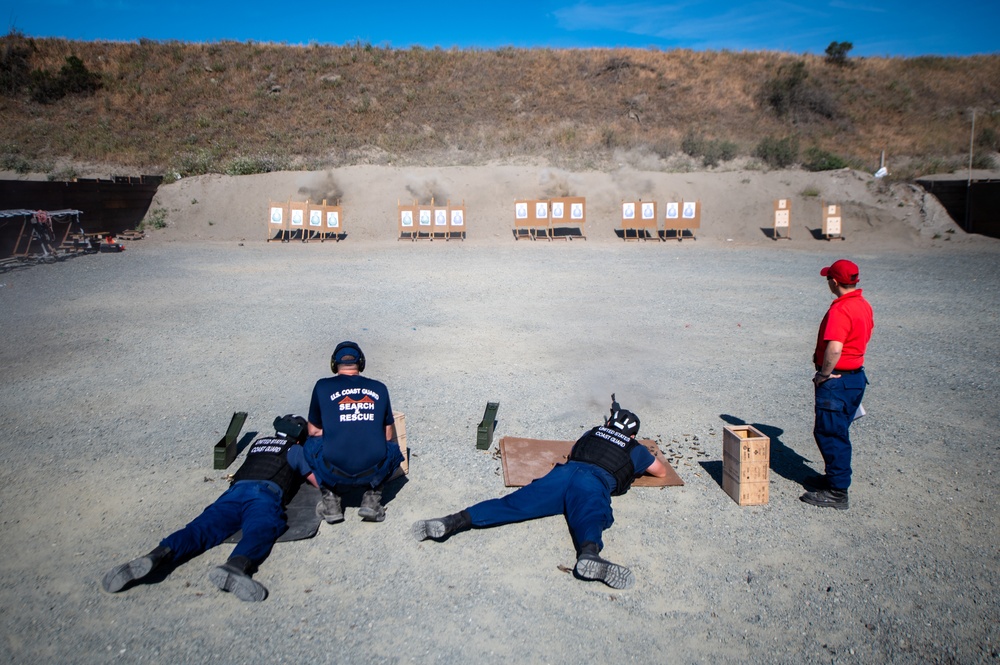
968	183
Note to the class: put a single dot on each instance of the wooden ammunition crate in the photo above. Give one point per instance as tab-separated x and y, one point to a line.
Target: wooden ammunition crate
746	457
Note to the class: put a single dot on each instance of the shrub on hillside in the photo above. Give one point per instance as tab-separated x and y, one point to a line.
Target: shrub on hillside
778	153
12	161
195	163
76	79
154	219
44	87
663	148
788	94
981	160
64	174
717	150
691	144
73	78
836	53
780	91
988	139
817	159
711	151
251	164
15	62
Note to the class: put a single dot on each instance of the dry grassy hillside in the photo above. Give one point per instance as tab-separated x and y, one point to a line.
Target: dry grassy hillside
173	107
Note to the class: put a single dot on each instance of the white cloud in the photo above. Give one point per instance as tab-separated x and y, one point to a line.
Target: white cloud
851	7
696	22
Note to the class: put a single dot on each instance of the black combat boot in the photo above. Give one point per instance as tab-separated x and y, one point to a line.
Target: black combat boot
828	498
232	576
441	526
590	566
817	482
116	578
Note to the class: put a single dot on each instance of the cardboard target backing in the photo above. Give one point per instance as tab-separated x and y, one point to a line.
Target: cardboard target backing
639	220
531	216
568	217
783	218
833	221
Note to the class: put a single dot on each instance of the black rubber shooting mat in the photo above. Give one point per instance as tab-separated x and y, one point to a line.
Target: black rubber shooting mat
303	522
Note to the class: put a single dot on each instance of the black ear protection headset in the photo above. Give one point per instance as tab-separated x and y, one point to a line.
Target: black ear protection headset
360	362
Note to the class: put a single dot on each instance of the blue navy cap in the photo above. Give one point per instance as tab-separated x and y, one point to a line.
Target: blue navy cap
347	355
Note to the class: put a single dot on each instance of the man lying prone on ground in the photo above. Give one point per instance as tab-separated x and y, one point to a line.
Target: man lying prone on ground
273	468
603	463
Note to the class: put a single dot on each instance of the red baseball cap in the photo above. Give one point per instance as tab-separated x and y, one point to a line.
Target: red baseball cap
842	270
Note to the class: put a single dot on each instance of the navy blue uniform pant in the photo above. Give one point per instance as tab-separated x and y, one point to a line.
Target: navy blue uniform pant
335	479
574	489
251	505
837	400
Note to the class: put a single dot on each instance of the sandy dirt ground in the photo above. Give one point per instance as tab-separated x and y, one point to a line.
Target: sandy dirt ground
737	206
121	371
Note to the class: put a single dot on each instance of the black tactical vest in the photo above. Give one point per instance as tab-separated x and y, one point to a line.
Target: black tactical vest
609	450
266	460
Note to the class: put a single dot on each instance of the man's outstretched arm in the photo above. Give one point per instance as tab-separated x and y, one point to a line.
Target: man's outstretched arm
657	468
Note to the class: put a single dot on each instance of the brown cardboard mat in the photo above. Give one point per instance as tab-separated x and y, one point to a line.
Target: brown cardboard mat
527	459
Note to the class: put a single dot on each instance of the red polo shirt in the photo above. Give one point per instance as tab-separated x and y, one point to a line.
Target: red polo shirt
848	321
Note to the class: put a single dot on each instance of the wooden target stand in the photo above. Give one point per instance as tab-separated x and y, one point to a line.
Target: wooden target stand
782	219
277	221
832	221
305	221
416	221
456	221
681	220
560	218
639	217
325	222
568	217
406	219
530	217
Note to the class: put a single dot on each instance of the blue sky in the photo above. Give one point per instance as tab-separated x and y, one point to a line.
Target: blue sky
890	28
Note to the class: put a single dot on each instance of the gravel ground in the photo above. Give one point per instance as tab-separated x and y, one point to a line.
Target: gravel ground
121	371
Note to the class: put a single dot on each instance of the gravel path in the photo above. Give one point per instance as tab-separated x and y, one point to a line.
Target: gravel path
121	371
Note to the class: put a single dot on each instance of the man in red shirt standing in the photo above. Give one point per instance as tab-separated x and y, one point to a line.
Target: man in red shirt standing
840	381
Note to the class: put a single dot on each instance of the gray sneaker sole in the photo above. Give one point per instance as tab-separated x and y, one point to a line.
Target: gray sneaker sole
615	576
116	578
424	529
241	586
